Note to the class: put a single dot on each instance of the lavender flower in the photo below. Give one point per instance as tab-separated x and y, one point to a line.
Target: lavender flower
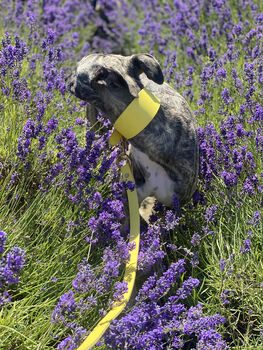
171	220
196	238
120	289
4	298
65	308
187	287
245	248
85	279
222	264
255	221
71	342
2	241
210	213
224	297
226	97
221	73
152	325
11	266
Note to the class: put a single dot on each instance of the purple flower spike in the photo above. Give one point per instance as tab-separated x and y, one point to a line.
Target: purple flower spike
245	248
2	241
10	268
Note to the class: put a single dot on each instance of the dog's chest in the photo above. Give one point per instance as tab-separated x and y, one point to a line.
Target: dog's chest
157	181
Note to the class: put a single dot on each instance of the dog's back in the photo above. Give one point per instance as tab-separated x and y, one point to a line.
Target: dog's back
171	140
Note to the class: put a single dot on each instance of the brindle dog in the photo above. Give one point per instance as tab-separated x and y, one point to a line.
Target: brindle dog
165	154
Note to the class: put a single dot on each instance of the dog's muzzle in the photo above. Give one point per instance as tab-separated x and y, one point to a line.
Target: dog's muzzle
71	82
71	86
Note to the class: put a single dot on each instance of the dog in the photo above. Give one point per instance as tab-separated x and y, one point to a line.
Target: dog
164	155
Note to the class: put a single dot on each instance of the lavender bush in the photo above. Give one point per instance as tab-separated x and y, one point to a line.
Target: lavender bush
10	268
61	193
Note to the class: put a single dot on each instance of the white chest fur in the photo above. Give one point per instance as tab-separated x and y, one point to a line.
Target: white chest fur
157	182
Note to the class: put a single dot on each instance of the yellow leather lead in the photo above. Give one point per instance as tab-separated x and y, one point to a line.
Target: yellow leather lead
133	120
130	271
136	116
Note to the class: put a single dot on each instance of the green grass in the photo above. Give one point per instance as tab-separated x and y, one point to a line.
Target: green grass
52	250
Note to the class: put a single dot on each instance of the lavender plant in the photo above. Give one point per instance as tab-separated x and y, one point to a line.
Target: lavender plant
10	267
61	194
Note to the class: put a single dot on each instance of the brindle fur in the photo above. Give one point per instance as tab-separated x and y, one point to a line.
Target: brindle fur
110	82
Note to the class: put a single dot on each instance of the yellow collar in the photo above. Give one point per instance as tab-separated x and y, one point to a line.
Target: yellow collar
135	117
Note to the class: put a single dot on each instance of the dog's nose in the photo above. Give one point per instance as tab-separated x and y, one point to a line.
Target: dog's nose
71	81
71	84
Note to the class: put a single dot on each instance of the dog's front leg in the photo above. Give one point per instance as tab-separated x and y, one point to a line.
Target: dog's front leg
92	115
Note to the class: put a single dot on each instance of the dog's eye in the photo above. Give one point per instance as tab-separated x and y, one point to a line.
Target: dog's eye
101	74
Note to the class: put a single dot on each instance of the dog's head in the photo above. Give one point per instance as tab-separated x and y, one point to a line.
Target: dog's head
110	82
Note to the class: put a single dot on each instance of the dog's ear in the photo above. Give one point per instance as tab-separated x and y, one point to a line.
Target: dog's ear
145	63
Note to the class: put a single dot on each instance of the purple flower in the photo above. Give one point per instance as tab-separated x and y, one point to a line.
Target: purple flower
194	259
10	268
237	29
224	297
4	298
120	289
71	342
13	177
245	248
196	239
210	339
88	174
226	97
51	125
15	260
239	130
210	213
79	121
255	221
2	241
150	247
221	73
230	178
171	220
65	309
223	265
164	283
153	326
85	279
187	288
249	187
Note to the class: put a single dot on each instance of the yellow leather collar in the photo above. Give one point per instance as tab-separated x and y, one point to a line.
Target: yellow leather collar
135	117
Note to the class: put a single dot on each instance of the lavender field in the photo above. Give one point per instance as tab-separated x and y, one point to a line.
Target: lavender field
62	250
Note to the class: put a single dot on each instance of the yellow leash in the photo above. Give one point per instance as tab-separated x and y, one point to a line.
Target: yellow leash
130	270
133	120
